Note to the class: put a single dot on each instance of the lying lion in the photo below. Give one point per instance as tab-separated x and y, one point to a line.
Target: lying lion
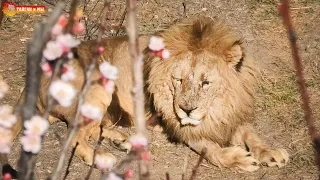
205	92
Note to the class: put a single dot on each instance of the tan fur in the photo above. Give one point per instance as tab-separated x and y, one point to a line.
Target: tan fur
208	74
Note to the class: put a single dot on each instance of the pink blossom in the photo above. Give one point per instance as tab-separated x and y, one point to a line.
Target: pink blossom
62	21
7	176
5	140
113	176
138	141
3	88
68	73
53	51
7	119
57	29
105	161
46	68
156	43
36	126
100	49
91	112
128	173
109	86
108	71
62	92
145	155
78	28
31	143
67	42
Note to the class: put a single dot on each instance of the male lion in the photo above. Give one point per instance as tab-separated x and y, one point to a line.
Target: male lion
204	92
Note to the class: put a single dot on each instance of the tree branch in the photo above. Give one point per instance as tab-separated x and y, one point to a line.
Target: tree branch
284	12
75	122
35	47
137	90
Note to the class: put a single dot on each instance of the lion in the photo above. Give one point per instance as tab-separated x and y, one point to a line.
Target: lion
204	91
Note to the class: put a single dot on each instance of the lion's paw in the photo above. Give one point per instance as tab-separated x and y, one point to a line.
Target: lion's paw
274	157
237	157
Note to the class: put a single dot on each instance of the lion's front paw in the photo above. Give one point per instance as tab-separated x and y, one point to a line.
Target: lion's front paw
237	157
274	157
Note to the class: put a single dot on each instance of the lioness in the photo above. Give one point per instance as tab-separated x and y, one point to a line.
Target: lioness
204	91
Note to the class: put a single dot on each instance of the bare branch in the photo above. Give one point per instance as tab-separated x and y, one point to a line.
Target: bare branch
35	47
137	90
284	12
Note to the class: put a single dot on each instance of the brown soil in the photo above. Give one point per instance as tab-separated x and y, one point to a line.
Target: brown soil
279	118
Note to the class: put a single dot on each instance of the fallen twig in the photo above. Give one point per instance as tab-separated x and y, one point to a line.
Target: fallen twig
70	161
284	12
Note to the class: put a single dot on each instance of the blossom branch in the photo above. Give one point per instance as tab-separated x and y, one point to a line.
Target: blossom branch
284	12
35	47
137	91
75	122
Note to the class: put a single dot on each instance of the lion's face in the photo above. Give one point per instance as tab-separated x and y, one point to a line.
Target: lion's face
196	85
207	84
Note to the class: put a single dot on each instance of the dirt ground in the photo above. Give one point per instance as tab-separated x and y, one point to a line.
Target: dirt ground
279	118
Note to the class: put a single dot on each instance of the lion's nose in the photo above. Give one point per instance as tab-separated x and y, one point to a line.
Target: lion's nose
187	110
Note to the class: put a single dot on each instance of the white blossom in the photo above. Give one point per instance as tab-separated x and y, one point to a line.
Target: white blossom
3	88
5	140
62	92
7	119
91	112
138	141
156	43
36	126
165	54
108	71
68	73
105	161
57	29
53	50
67	41
113	176
31	143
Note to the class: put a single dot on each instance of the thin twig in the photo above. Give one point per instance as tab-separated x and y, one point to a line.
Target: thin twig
284	12
137	90
35	47
95	152
196	168
70	161
75	123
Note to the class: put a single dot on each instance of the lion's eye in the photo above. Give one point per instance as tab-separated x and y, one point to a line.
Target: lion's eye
205	82
178	80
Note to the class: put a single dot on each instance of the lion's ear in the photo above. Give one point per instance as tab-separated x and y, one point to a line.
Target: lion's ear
234	55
